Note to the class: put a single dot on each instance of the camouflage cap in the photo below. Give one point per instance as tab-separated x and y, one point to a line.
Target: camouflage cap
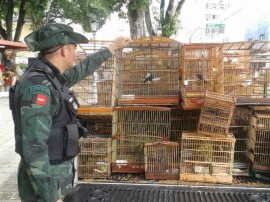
53	35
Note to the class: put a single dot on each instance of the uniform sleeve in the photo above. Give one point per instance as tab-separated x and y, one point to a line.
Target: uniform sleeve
38	105
87	66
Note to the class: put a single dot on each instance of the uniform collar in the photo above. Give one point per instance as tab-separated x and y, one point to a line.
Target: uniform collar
53	70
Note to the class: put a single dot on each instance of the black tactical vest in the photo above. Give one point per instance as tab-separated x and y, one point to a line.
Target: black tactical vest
63	141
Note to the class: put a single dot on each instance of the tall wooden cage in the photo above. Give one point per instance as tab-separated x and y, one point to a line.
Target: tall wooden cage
149	72
216	114
95	92
206	159
134	126
201	68
240	126
259	141
94	159
247	72
162	160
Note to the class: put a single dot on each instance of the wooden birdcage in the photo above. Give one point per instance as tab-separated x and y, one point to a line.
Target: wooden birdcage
246	72
133	127
259	149
94	159
206	159
149	72
201	67
95	92
162	160
183	120
216	114
240	126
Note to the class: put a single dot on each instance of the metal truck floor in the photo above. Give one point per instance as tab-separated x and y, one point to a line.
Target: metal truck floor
130	192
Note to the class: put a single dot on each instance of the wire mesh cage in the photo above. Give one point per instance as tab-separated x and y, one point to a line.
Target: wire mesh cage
96	90
240	126
206	159
149	72
94	159
133	127
162	160
246	71
259	149
216	114
201	67
183	120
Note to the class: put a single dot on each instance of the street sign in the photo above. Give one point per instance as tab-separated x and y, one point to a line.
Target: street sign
216	28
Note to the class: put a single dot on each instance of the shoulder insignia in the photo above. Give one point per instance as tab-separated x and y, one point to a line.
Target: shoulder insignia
42	88
39	99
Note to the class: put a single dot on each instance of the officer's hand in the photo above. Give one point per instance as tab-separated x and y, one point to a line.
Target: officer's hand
119	42
59	200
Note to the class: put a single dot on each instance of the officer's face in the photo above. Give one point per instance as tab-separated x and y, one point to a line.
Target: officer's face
71	57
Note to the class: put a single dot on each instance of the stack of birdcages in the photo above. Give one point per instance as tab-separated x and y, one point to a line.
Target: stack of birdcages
259	140
148	81
96	98
207	155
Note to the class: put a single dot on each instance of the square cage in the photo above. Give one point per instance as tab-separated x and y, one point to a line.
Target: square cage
201	67
149	72
246	71
96	90
206	159
132	128
162	160
94	159
216	114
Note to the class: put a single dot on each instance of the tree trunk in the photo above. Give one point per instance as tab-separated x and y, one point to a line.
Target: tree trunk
136	22
148	22
9	19
20	21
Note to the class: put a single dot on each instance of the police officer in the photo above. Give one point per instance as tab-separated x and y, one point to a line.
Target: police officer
46	129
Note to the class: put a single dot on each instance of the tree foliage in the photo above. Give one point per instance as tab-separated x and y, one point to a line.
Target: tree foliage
144	16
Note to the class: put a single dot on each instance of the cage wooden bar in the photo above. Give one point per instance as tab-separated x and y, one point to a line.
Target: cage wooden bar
162	160
206	159
149	72
134	126
216	114
201	67
94	159
259	149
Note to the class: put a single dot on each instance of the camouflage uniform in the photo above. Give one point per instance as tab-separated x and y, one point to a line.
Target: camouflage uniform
38	180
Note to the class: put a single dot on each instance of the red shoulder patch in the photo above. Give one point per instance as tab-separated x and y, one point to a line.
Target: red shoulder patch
41	99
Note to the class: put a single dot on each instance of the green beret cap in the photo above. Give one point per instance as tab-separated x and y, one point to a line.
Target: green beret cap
53	35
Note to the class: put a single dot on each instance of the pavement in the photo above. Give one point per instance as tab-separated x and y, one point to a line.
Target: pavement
9	160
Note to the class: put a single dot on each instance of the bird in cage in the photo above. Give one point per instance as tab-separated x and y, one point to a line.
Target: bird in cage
150	78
